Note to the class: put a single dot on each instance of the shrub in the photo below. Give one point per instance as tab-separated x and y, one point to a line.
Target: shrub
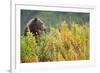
28	46
60	44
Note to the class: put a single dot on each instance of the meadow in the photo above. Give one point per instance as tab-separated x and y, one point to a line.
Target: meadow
66	43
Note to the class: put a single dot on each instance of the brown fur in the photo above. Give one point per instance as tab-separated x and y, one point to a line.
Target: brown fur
36	26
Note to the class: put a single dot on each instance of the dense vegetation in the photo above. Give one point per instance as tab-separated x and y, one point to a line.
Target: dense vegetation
59	44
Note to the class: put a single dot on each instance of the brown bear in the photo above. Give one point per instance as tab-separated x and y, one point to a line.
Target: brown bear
36	26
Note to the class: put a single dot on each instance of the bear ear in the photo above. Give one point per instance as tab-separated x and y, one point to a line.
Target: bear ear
35	19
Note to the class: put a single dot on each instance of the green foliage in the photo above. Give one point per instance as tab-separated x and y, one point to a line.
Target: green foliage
41	44
28	46
61	44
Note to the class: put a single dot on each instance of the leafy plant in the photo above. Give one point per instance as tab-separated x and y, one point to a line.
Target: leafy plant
60	44
28	46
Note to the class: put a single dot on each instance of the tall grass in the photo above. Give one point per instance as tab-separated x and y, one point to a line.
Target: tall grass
62	44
